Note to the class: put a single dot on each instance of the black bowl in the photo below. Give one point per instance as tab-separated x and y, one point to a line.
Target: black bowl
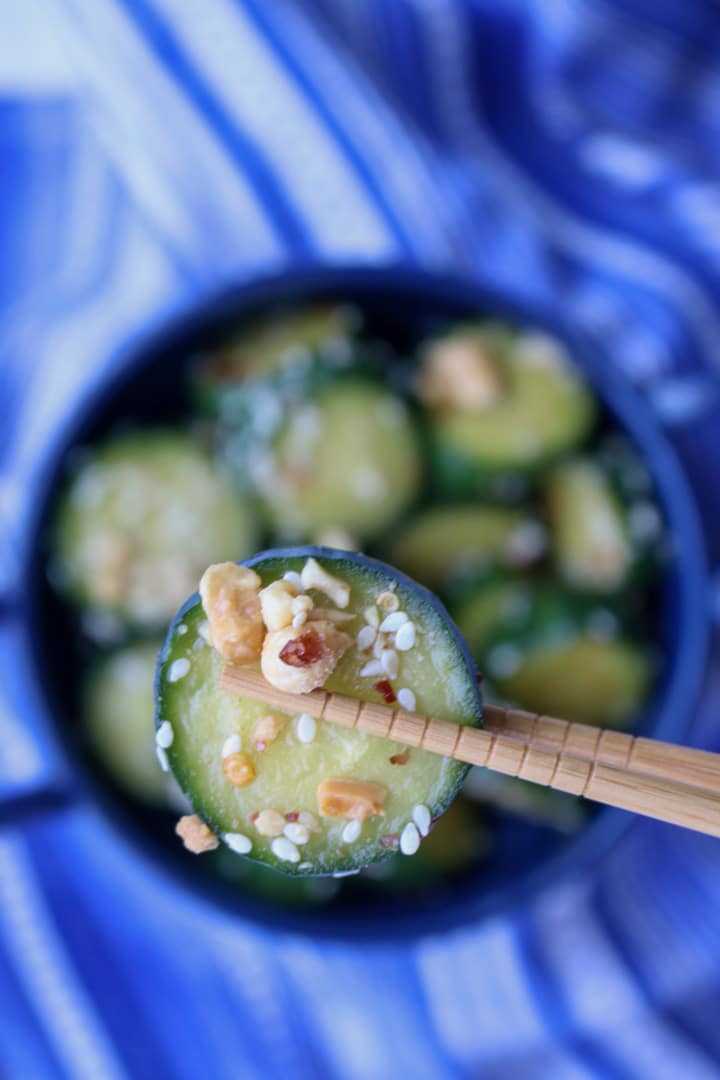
400	304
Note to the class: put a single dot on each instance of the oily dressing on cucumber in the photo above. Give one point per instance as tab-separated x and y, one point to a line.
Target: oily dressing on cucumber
306	797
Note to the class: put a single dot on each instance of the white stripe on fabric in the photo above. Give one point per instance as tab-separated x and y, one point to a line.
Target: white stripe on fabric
178	171
387	148
44	969
360	1009
20	759
239	67
478	995
595	246
603	997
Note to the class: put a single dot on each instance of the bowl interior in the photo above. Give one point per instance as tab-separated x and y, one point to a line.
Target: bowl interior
402	307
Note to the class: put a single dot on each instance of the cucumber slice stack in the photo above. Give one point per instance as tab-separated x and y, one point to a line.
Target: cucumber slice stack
305	797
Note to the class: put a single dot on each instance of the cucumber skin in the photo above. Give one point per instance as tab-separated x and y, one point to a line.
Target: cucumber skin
332	555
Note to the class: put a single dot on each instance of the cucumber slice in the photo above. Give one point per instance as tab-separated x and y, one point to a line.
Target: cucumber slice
592	548
538	408
445	543
552	653
349	458
118	721
437	669
285	340
142	516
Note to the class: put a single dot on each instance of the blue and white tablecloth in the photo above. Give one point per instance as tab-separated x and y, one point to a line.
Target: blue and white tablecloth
152	150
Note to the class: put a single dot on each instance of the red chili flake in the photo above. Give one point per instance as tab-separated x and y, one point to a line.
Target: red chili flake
303	651
400	759
292	816
390	842
254	816
385	690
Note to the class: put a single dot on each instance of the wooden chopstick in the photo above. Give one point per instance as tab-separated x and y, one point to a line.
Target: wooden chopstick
670	783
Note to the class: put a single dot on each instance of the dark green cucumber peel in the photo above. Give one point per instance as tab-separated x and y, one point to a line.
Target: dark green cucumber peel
439	670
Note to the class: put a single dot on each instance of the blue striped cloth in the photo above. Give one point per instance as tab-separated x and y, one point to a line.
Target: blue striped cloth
151	150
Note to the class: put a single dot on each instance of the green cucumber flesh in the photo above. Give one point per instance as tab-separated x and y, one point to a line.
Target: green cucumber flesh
438	670
141	518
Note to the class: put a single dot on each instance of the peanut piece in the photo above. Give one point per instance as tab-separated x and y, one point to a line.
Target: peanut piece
276	602
268	730
299	660
238	769
230	599
354	799
459	373
313	576
196	835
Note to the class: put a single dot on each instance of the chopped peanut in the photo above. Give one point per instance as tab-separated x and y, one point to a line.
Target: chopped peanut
268	730
238	769
313	576
276	601
355	799
196	835
459	373
230	599
299	660
270	823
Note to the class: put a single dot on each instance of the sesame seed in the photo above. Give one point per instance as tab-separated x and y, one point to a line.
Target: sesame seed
388	601
409	839
393	622
345	873
406	699
371	617
284	849
178	669
294	578
390	663
351	831
238	842
373	667
308	820
422	818
182	629
405	637
162	759
232	745
366	637
296	832
306	728
164	735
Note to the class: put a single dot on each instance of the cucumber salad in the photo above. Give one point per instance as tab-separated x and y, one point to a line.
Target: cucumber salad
477	461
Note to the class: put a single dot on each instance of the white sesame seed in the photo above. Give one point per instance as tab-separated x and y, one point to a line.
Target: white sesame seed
405	637
204	631
366	637
308	820
294	578
182	629
232	745
162	759
371	617
299	620
373	667
351	831
238	842
345	873
296	832
390	663
406	699
178	669
164	735
393	622
305	866
306	728
388	601
422	818
409	839
284	849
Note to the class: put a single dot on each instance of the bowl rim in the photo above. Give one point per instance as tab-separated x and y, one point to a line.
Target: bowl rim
301	284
